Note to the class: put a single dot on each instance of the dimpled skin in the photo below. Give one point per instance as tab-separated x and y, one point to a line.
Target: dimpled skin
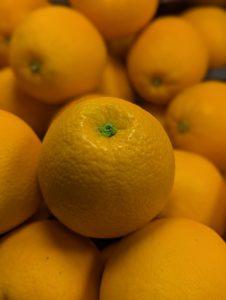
45	261
54	63
168	259
19	154
105	186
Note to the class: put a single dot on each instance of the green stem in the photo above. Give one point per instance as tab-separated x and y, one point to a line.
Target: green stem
35	66
156	81
183	126
107	130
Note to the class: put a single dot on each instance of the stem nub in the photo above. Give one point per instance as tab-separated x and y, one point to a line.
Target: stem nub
157	81
183	126
107	130
35	66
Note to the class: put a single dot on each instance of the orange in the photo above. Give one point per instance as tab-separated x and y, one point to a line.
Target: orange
196	121
35	113
12	13
108	251
198	192
19	191
119	47
166	57
55	63
45	261
210	22
115	82
117	18
106	167
43	213
158	111
168	259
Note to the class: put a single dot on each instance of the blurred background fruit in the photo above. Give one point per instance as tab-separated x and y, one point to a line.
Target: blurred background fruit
35	113
198	192
117	18
54	64
12	13
196	121
210	22
115	81
20	195
167	57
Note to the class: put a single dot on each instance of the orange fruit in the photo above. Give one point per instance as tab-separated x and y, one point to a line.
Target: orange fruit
19	190
158	111
115	82
117	18
34	112
168	259
44	260
108	251
210	22
166	57
119	47
106	167
12	13
53	63
43	213
196	121
190	197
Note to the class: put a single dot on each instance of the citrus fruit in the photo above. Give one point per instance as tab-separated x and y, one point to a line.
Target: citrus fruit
115	82
166	260
106	167
12	13
196	121
13	99
158	111
190	197
45	261
210	22
19	190
166	57
119	47
117	18
53	63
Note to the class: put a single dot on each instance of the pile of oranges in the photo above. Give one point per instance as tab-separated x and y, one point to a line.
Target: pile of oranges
113	151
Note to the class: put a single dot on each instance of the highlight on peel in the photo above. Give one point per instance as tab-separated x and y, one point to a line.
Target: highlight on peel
117	18
190	198
196	121
166	57
12	13
210	23
113	154
115	82
171	258
48	59
20	196
13	99
47	258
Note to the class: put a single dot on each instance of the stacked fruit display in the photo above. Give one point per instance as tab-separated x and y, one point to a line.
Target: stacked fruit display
113	151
